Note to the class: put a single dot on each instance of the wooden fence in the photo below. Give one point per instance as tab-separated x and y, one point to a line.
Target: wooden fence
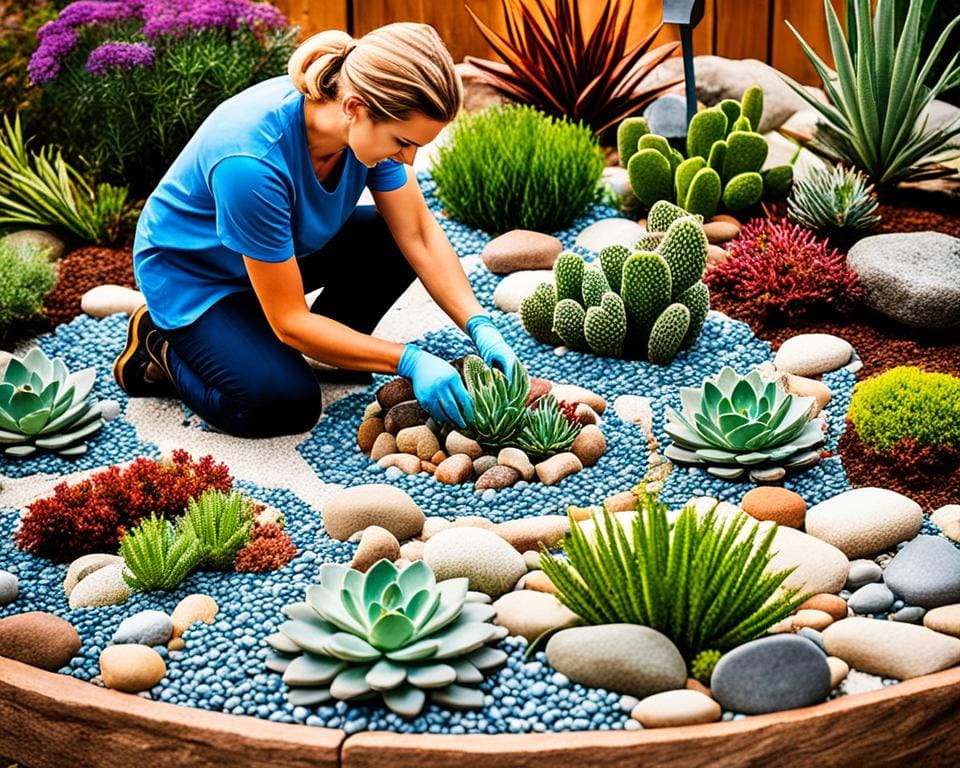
736	29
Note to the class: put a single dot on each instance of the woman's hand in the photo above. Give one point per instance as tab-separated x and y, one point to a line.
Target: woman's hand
491	345
437	386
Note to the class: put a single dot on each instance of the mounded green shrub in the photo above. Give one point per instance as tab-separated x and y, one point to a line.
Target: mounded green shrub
26	277
907	402
512	167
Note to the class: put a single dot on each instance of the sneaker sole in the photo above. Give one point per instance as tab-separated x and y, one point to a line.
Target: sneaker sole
133	342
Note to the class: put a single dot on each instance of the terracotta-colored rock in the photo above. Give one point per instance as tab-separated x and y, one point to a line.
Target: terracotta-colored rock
177	644
538	388
39	639
428	466
804	387
418	441
455	470
518	460
554	469
367	434
584	414
833	605
396	391
459	443
384	445
571	393
719	232
589	445
131	668
403	415
538	581
473	521
813	618
521	249
497	477
376	543
529	533
624	501
438	457
191	609
695	685
781	505
945	619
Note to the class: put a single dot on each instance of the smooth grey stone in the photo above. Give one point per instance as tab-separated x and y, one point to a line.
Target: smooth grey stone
871	598
812	635
9	588
144	628
667	116
911	614
926	572
863	572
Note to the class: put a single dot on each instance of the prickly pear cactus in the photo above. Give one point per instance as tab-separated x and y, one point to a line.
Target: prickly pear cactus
568	320
536	313
668	333
605	327
595	284
568	274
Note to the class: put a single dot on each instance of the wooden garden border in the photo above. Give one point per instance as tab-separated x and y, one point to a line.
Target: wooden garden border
47	719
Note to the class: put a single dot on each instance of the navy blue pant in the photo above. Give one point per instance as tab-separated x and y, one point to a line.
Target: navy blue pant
233	371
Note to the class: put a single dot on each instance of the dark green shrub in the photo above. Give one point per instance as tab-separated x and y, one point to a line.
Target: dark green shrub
515	168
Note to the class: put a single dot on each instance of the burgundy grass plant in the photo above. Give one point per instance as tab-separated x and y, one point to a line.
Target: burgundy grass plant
553	64
778	272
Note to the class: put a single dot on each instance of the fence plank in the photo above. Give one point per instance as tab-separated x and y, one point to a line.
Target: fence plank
808	18
315	15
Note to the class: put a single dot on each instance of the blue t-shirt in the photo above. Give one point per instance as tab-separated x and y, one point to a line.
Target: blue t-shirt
243	185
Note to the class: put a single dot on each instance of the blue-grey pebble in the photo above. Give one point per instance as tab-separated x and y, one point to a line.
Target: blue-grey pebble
813	636
926	572
911	614
871	598
9	587
667	116
770	675
863	572
144	628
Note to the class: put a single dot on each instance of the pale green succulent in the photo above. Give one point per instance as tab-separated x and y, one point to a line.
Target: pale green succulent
737	423
390	632
43	405
546	431
498	403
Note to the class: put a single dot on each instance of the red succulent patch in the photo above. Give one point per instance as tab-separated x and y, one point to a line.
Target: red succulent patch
269	548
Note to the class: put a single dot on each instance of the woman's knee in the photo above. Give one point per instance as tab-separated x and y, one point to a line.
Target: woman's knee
287	409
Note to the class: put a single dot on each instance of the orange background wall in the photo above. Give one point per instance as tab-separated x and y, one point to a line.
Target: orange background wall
732	28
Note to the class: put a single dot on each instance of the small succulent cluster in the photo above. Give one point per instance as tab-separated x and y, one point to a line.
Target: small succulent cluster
833	200
547	430
392	633
725	155
646	302
44	406
734	424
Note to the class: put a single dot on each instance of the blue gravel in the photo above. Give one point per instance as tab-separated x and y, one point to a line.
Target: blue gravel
222	666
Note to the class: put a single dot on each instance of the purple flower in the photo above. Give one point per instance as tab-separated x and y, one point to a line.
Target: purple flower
56	43
118	55
174	18
92	12
265	16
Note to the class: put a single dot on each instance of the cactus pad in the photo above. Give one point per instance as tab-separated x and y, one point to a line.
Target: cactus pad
662	215
705	128
703	197
685	251
697	299
742	191
657	142
536	313
685	173
731	108
595	284
651	176
628	137
611	260
777	181
718	153
746	153
568	275
605	327
668	333
568	323
646	287
751	105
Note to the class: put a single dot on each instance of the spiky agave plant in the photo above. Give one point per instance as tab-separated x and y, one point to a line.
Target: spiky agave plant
158	554
499	403
392	633
222	523
833	200
546	430
706	584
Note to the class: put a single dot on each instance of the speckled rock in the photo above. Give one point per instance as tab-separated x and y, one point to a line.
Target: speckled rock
804	387
613	231
625	501
353	509
676	708
454	470
24	240
947	518
376	543
497	477
191	609
39	639
584	415
105	586
839	669
571	393
520	249
783	506
385	444
891	648
720	232
83	566
474	521
9	588
635	409
625	658
106	300
871	598
945	619
589	445
771	674
412	550
418	441
528	533
538	581
368	432
433	525
394	392
459	443
514	288
865	521
131	668
810	354
821	567
530	614
483	464
554	469
144	628
403	415
372	411
538	388
926	572
518	460
833	605
491	565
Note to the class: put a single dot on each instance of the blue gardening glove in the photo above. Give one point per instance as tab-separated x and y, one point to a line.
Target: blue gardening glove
491	345
436	385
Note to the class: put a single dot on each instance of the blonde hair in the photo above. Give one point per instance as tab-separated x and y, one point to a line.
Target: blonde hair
398	70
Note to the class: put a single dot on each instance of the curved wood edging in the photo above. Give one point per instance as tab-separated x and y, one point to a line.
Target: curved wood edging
54	720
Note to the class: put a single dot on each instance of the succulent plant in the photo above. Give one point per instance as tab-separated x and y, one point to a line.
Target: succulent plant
737	423
546	430
222	523
43	405
498	403
833	200
158	554
646	302
395	633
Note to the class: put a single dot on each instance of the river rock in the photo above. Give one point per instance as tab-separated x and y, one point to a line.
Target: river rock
9	588
538	388
106	300
385	444
39	639
131	668
871	598
474	521
454	470
514	288
412	550
839	669
529	533
804	387
945	619
144	628
771	674
926	572
863	572
356	508
947	519
403	415
613	231
890	648
625	501
490	563
497	477
865	521
783	506
418	441
105	586
820	567
394	392
571	393
459	443
191	609
720	231
676	708
667	116
811	618
626	658
376	543
809	354
29	240
83	566
913	277
635	409
554	469
368	432
589	445
483	463
433	525
832	605
520	249
529	614
538	581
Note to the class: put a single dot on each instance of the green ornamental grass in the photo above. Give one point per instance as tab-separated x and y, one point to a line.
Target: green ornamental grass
705	584
512	167
222	523
26	277
159	554
907	403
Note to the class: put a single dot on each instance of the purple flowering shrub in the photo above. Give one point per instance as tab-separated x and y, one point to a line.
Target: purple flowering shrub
125	83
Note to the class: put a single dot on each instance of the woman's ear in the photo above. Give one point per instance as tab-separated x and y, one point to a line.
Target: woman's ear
352	105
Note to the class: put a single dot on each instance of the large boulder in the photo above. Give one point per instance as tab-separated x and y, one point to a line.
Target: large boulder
354	509
913	277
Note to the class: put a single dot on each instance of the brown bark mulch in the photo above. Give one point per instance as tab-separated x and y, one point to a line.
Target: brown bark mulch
81	270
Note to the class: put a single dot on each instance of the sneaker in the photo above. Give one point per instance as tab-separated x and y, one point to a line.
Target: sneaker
134	370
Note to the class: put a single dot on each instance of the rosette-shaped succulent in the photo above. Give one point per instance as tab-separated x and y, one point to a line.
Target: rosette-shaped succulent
499	403
737	423
395	633
43	405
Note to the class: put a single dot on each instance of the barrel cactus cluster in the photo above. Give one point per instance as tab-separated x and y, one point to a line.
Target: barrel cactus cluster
647	301
725	155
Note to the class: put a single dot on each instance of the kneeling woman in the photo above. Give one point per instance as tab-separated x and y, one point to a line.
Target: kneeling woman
261	207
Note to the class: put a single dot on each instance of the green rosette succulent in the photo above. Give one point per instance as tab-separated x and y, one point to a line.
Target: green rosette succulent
546	431
498	403
44	406
738	423
392	633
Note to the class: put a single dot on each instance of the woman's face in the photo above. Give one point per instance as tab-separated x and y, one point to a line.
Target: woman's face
373	142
